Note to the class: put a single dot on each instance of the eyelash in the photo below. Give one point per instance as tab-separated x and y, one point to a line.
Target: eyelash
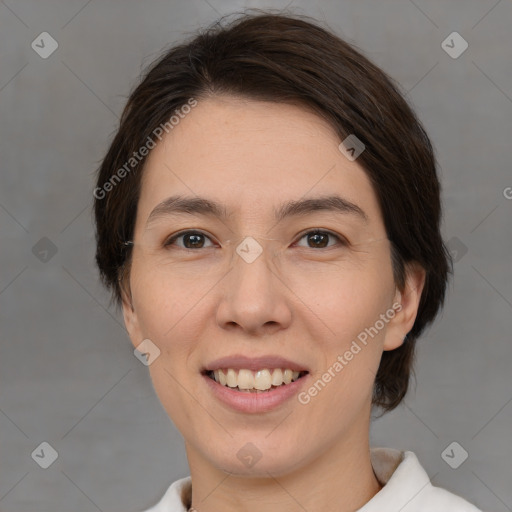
341	240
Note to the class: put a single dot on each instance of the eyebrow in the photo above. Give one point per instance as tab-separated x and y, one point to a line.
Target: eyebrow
327	203
190	205
202	206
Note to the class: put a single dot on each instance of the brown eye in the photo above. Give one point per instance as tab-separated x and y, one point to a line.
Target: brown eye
319	239
189	240
193	241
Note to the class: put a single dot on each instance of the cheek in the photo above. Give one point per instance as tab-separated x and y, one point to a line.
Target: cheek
347	309
342	388
174	318
344	300
169	307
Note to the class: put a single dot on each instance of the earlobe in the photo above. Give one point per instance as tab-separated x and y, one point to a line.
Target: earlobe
131	321
409	300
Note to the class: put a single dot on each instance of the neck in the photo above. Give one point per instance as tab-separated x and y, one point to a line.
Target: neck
340	479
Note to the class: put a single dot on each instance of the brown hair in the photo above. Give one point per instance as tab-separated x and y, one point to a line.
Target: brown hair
290	59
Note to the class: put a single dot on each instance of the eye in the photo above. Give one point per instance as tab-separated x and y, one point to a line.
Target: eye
318	239
189	240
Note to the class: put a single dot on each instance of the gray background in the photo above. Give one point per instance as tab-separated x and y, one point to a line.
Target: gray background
68	373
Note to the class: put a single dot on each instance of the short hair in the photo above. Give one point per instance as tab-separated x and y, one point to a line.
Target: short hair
291	59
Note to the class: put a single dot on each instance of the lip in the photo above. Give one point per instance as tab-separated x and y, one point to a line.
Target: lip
254	402
254	363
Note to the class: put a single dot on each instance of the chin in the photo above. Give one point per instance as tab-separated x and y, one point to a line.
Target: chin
257	457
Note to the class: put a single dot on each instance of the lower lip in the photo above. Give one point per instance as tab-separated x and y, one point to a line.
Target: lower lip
255	402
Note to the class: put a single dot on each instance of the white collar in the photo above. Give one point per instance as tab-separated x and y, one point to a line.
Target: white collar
406	487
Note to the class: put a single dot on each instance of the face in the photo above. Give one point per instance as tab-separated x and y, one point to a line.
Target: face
256	239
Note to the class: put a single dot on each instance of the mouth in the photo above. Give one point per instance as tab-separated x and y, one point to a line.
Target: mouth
245	380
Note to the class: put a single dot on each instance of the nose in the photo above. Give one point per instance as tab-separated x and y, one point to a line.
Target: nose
254	299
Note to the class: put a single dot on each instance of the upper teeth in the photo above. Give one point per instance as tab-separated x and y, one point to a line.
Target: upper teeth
262	379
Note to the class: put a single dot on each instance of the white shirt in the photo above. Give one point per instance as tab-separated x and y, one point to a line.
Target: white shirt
407	488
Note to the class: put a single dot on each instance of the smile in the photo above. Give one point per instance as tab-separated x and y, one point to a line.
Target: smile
260	381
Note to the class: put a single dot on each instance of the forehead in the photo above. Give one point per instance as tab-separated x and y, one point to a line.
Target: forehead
252	156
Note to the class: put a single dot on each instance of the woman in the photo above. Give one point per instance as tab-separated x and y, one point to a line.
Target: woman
268	219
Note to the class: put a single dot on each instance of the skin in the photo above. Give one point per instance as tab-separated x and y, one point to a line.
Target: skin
304	303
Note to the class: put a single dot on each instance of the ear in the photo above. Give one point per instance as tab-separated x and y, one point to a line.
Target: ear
131	320
407	302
